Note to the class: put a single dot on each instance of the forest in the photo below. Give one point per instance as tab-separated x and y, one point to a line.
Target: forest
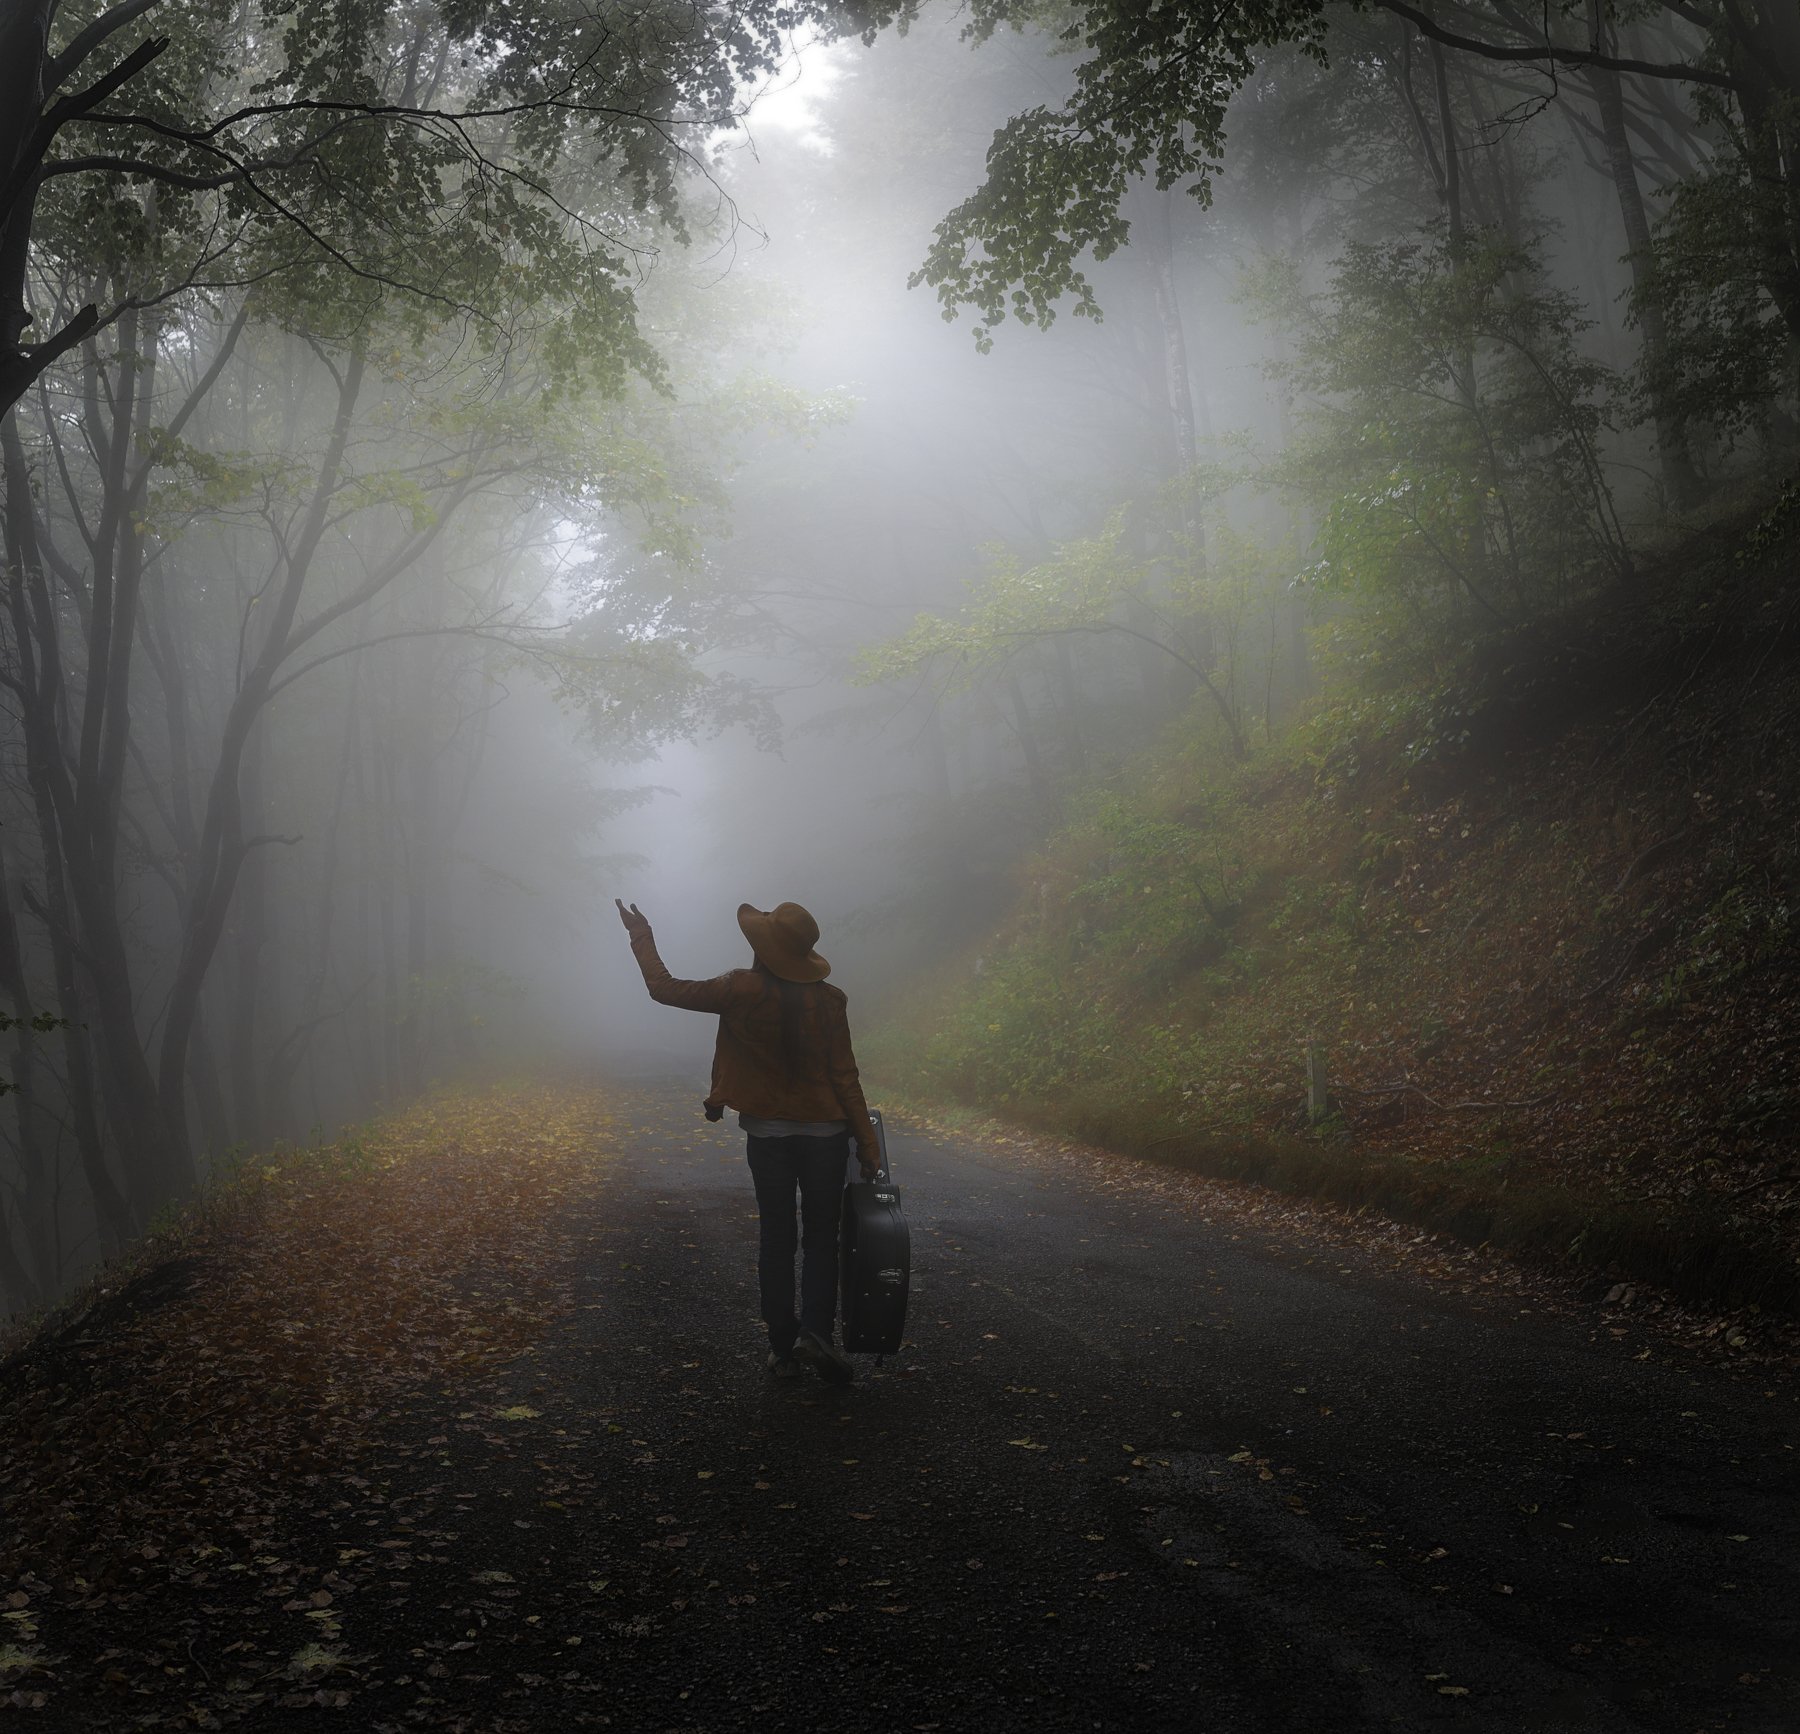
1236	557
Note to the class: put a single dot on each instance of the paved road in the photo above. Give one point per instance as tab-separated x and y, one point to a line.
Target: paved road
1143	1468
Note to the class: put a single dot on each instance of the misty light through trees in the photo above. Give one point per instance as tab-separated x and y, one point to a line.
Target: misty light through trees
916	793
437	502
899	864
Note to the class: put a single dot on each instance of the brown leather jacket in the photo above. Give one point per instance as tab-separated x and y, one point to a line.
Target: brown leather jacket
747	1071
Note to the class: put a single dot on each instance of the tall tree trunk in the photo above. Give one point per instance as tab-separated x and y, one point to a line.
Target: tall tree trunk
223	844
161	1166
36	1231
1452	155
393	1007
365	1057
39	655
1673	451
286	1060
1069	705
1026	730
18	1291
1155	231
452	1021
429	821
418	818
249	919
163	644
1767	95
24	55
1765	58
1302	525
209	1095
1173	387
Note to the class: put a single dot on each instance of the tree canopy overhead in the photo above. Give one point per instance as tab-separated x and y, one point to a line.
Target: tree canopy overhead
462	157
366	135
1152	85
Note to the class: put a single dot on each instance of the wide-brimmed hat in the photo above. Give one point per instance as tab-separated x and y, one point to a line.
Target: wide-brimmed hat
783	939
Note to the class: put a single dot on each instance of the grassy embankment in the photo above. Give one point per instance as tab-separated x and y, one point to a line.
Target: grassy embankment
1539	913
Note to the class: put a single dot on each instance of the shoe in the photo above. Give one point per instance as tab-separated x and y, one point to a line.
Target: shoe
825	1359
784	1366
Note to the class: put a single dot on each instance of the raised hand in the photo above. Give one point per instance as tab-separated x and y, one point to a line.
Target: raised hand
635	920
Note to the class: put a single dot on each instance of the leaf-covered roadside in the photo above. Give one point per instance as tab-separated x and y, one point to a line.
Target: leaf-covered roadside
160	1449
1357	1242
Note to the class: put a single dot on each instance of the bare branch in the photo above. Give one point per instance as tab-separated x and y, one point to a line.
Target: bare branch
20	369
137	166
488	630
201	387
1426	25
86	41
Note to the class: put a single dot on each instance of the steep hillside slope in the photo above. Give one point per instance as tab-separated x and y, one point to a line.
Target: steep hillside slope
1538	917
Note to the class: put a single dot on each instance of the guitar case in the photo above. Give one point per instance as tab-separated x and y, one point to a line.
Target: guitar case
875	1259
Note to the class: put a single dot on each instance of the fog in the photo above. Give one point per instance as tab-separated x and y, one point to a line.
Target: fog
943	452
367	638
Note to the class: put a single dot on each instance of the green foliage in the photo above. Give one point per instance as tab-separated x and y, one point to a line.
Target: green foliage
1775	529
1207	599
1451	436
506	169
1724	362
1077	589
40	1023
190	482
1185	861
1151	89
1742	930
632	692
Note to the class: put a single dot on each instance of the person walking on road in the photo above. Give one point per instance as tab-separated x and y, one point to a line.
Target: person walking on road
783	1061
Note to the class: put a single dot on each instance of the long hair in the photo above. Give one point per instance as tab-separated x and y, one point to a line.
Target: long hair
796	997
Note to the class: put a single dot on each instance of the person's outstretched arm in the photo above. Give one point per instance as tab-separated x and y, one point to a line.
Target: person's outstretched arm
702	996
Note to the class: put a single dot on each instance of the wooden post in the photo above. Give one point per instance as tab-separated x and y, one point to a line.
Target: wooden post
1316	1099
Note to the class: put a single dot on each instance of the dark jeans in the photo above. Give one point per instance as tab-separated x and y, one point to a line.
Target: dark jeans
816	1167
